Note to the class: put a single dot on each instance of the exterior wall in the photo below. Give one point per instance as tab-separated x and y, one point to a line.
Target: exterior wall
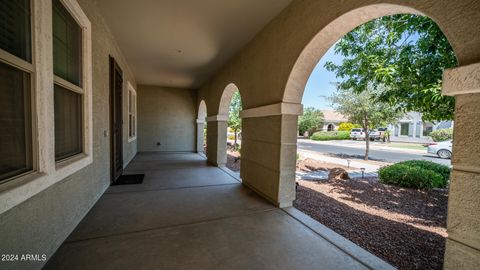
274	68
463	219
40	224
168	116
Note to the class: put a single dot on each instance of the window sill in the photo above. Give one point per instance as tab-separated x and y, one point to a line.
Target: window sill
20	189
71	165
131	139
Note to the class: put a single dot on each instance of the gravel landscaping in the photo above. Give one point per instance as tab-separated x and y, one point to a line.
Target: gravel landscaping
233	161
405	227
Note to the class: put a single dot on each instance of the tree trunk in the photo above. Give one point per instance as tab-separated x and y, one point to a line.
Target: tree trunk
235	141
367	138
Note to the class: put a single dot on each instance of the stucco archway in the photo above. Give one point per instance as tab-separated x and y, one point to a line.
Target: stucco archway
202	111
201	116
327	36
453	84
330	127
218	127
228	91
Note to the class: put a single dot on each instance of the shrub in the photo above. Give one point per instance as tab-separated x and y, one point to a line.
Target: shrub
330	135
415	174
441	135
347	126
443	170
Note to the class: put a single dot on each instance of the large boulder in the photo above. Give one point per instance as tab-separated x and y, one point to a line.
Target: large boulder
338	174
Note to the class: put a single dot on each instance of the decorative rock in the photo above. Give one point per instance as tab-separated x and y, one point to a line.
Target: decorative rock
338	174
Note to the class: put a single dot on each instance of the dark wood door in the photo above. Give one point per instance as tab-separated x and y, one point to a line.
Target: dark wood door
116	119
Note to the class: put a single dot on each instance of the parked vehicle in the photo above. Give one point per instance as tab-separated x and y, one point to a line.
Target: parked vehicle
375	135
357	133
441	149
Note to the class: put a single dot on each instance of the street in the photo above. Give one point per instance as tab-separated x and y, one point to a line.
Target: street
357	148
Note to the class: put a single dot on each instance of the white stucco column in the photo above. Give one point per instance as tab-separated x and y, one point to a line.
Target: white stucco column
200	135
269	148
217	140
463	224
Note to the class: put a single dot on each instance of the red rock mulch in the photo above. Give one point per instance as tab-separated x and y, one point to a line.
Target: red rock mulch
405	227
233	161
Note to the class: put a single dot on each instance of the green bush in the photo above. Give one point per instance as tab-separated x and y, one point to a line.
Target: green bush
443	170
441	135
330	135
415	174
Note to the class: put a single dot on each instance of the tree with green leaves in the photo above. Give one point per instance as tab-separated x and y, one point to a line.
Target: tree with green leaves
234	119
362	109
406	54
311	120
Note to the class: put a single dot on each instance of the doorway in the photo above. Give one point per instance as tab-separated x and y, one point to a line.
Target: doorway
116	121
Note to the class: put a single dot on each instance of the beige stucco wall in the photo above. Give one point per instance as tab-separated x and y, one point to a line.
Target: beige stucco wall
275	65
40	224
168	116
262	69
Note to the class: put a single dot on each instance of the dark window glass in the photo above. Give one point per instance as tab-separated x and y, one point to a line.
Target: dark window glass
405	128
68	123
15	28
67	52
16	123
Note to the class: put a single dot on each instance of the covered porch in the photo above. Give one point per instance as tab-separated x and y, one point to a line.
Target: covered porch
189	215
130	90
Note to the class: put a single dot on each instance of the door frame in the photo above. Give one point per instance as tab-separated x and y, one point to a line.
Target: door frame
114	69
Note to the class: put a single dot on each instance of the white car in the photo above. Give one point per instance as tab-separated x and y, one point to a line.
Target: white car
442	149
357	133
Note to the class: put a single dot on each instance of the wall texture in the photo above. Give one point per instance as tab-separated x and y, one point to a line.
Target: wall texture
274	67
167	116
42	223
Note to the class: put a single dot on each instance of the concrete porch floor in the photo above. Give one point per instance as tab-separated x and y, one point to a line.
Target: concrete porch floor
188	215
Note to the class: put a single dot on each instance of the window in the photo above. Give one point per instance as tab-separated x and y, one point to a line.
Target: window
404	129
132	113
68	91
16	151
427	129
27	95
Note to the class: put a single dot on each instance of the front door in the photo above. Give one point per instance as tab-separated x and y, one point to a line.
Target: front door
116	120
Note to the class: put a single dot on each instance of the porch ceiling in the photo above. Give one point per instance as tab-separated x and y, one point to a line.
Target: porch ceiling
183	43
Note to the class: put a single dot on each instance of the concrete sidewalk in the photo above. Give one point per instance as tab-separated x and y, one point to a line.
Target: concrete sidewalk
370	169
189	215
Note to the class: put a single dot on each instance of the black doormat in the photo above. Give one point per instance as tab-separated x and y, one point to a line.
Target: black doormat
129	179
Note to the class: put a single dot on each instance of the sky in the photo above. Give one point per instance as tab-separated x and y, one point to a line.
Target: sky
319	84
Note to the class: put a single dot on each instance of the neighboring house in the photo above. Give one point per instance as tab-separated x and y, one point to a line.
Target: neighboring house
412	129
332	120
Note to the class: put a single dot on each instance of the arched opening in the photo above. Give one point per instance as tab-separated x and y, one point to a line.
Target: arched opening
338	188
230	107
202	128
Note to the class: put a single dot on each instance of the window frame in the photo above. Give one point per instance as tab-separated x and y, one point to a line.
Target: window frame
82	89
131	102
86	83
30	68
46	171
